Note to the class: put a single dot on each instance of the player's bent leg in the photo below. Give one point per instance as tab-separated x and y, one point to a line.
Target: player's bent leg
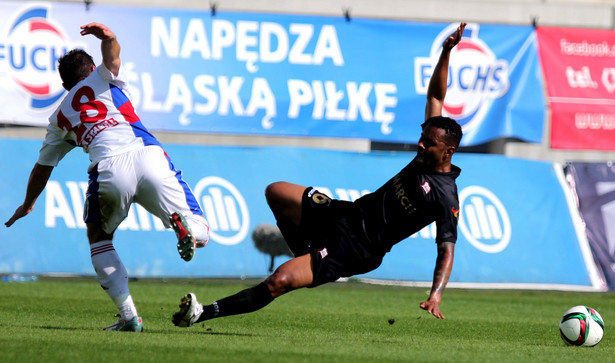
163	192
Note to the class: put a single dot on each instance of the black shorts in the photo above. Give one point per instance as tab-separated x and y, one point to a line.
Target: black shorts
338	245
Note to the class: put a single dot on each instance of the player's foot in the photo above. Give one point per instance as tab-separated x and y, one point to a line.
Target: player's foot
135	324
186	244
190	311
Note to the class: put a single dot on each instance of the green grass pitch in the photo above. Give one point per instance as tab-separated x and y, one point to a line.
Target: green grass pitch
60	320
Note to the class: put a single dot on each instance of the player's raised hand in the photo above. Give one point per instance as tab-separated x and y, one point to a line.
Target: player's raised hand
455	37
109	46
98	30
21	211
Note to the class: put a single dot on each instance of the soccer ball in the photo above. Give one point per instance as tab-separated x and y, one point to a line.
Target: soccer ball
581	325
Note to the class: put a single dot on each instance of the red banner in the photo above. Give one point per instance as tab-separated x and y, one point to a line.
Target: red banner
579	70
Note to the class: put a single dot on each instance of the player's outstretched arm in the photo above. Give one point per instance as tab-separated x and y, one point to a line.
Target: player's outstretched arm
38	179
437	84
442	271
109	46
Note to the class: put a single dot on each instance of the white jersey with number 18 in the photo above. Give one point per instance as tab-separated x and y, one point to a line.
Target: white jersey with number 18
97	114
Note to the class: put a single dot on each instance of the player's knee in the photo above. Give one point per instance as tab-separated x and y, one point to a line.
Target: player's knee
279	283
272	193
97	234
285	200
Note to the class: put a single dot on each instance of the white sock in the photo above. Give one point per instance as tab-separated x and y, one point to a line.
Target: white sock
113	277
199	227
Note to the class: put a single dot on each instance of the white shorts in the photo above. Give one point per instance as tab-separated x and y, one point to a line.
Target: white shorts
145	176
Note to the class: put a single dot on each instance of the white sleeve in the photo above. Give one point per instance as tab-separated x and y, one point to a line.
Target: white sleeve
119	80
55	147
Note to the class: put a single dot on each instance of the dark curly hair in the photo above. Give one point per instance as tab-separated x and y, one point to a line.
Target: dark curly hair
74	66
450	126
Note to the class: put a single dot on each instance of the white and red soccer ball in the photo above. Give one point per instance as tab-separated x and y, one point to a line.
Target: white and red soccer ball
581	326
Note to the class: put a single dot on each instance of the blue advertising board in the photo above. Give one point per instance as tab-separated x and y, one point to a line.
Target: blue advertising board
274	74
516	227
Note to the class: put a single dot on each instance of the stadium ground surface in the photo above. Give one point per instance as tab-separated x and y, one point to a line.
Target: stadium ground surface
60	320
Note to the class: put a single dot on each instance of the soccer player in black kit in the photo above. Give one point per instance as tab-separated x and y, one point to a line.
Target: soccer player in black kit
333	238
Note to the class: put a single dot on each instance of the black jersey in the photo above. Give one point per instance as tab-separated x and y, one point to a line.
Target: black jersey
411	200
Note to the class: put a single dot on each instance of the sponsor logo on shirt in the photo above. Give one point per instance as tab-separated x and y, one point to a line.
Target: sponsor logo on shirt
320	198
401	196
426	187
96	129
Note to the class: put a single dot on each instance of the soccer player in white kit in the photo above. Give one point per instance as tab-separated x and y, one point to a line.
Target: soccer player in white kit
127	165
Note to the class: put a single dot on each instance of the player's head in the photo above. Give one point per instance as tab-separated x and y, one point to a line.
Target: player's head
439	141
453	132
75	66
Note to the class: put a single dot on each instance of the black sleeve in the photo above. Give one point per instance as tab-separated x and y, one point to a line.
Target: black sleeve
446	220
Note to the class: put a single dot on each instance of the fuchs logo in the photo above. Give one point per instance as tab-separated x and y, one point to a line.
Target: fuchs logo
476	76
30	55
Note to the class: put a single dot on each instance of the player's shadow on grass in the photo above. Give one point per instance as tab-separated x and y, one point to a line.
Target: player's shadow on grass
227	334
208	332
202	332
48	327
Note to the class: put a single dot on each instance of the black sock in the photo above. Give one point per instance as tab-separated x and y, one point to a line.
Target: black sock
245	301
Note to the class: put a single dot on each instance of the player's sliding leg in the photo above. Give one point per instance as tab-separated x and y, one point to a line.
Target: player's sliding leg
113	278
245	301
291	275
